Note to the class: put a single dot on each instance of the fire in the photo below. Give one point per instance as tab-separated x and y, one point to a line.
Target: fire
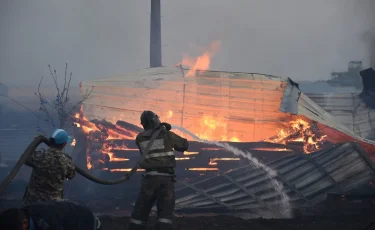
116	135
170	114
182	158
234	139
213	161
113	158
73	142
202	169
226	159
273	149
212	129
202	62
123	170
211	149
300	131
106	140
104	132
191	153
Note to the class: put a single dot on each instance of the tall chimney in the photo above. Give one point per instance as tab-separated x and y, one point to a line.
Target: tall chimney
155	34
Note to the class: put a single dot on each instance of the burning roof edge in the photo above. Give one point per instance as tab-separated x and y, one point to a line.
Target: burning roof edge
293	100
177	72
296	102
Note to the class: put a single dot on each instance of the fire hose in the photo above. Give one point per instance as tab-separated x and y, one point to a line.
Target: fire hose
41	139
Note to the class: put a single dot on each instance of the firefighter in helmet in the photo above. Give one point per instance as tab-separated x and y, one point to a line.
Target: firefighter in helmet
158	182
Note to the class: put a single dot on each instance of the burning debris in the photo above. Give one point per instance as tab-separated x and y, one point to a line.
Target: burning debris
73	142
111	147
300	131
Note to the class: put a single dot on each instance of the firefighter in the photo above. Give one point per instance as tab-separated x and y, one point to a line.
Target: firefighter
158	181
50	169
49	215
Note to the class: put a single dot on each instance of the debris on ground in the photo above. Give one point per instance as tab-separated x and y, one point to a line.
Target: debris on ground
235	223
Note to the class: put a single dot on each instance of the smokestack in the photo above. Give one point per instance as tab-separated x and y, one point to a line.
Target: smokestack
155	35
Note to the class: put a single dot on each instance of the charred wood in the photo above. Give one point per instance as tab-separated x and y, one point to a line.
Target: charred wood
98	136
103	124
295	145
83	122
131	127
126	153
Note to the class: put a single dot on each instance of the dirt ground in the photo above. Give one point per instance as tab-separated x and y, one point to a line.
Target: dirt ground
229	223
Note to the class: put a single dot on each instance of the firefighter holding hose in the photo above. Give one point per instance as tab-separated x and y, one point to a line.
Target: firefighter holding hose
50	169
158	182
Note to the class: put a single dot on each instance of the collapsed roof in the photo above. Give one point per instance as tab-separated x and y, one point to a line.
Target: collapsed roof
247	107
306	180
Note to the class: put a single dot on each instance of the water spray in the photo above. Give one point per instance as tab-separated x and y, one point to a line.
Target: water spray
271	173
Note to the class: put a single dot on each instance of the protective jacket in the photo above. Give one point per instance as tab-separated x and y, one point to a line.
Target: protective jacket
50	169
160	158
158	183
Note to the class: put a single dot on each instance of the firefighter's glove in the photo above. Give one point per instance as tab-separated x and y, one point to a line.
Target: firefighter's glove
166	125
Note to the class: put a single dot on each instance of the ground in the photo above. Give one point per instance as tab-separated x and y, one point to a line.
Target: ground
229	223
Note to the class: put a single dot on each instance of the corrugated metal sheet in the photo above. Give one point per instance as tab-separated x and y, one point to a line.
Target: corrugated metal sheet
246	105
306	179
350	110
250	107
310	109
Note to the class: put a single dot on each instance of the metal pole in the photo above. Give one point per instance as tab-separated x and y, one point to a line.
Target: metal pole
155	34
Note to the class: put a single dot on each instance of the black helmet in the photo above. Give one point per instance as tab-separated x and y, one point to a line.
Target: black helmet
149	120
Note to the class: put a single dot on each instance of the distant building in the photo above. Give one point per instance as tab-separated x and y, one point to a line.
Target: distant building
349	78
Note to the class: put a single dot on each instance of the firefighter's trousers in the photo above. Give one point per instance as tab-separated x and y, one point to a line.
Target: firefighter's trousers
161	190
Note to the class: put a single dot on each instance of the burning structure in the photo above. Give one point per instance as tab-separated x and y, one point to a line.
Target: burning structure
266	115
216	106
354	110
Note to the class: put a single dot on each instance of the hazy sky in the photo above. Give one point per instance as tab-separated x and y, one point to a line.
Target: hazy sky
302	39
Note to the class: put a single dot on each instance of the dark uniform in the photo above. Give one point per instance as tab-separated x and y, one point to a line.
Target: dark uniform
158	181
51	215
50	169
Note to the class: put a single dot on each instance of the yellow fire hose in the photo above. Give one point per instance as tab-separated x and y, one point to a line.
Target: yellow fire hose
41	139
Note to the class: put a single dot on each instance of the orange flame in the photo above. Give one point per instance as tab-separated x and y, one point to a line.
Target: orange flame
182	158
212	129
73	142
213	161
202	62
202	169
300	131
87	129
191	153
170	114
123	170
273	149
118	133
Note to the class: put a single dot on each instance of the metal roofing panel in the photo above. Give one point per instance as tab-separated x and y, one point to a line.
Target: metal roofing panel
329	170
350	110
246	105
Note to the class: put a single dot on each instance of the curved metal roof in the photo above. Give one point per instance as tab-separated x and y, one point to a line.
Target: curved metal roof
306	180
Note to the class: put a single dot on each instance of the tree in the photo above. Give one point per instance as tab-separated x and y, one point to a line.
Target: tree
61	104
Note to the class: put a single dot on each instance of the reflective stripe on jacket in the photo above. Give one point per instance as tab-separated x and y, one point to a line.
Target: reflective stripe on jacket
161	153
